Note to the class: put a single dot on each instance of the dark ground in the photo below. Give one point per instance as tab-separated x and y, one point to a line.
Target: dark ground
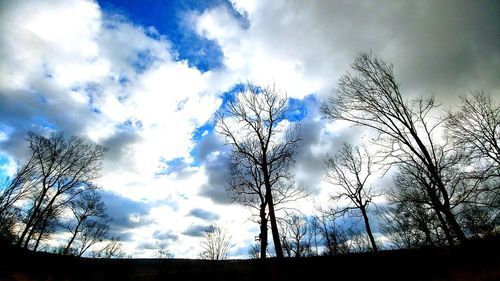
478	260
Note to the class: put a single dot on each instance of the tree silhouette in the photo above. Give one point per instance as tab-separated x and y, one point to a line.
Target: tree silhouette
112	249
372	98
216	242
60	169
334	233
89	224
295	236
14	191
475	127
350	169
263	150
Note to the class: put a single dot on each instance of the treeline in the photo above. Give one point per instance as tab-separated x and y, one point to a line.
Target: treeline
445	166
54	196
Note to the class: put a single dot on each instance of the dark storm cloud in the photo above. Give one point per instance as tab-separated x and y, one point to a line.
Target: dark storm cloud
217	172
165	235
41	111
316	145
214	155
126	214
203	214
207	144
148	246
158	245
195	230
118	148
124	236
437	47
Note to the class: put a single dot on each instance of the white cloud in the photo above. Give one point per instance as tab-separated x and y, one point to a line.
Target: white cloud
102	77
306	46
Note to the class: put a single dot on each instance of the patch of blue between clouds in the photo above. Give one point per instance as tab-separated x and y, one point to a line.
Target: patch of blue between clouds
298	109
166	17
206	131
4	161
231	94
42	122
203	130
91	90
199	135
143	60
130	125
173	165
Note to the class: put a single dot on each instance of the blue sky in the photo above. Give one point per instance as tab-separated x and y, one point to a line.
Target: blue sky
165	17
144	78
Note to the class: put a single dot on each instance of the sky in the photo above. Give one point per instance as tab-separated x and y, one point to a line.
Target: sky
144	78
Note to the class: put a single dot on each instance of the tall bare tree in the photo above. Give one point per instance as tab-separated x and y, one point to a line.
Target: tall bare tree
372	98
350	169
295	235
61	168
474	130
253	124
112	249
216	243
89	224
12	192
334	232
475	127
247	187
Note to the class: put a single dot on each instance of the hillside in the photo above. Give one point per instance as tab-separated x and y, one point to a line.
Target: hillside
479	260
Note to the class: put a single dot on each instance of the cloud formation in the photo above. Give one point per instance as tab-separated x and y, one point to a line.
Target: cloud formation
69	65
195	230
203	214
125	214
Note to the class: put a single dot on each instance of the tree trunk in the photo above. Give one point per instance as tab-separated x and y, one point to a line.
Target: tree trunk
457	230
270	204
42	231
274	226
445	227
31	222
436	178
31	231
368	229
65	252
263	231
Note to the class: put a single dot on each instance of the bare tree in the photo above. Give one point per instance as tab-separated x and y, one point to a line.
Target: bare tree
112	249
410	225
350	169
474	130
411	196
60	169
252	123
12	192
254	251
315	236
475	127
295	236
372	98
89	224
333	231
164	253
216	243
246	186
